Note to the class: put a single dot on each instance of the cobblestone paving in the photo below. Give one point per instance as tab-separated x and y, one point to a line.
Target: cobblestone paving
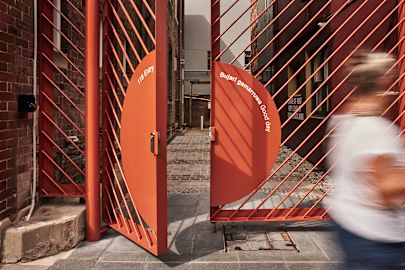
188	163
189	168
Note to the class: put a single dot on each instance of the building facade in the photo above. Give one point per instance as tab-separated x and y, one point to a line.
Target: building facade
197	52
307	57
16	78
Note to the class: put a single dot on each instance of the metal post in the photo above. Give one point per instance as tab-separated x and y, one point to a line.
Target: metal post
46	70
401	64
202	122
190	106
92	140
215	51
161	120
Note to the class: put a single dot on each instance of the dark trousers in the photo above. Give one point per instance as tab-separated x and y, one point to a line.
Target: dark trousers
364	254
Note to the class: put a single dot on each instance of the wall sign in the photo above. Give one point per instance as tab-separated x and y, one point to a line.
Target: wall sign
293	105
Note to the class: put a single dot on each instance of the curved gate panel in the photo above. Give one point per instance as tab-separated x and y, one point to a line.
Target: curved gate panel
134	121
248	130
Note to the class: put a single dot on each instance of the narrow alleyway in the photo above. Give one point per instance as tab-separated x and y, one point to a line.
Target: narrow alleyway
188	163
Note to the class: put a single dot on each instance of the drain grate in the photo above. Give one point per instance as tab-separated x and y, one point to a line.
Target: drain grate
253	238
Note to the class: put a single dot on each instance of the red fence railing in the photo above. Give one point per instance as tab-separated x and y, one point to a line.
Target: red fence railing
61	152
298	51
132	31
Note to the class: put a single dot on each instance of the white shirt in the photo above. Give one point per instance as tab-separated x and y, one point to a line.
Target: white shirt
354	202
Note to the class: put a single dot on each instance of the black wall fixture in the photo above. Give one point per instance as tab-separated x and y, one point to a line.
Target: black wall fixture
26	103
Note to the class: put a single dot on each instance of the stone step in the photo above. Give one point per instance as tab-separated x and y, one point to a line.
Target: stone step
52	229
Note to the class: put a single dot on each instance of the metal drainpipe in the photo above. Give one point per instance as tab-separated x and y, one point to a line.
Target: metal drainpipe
34	116
190	106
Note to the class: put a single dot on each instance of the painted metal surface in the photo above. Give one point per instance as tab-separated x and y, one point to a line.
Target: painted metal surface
401	64
247	134
61	100
140	141
298	51
92	128
134	121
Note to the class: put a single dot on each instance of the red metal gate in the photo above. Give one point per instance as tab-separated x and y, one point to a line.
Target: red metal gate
134	121
296	50
62	104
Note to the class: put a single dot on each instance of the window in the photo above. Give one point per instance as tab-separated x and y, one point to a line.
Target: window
57	21
267	3
294	108
248	57
100	55
124	58
319	71
208	60
170	87
292	84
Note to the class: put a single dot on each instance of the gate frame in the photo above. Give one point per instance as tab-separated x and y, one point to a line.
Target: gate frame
92	121
159	246
244	215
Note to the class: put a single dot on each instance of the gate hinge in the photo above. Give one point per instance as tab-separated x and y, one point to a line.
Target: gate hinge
155	143
212	134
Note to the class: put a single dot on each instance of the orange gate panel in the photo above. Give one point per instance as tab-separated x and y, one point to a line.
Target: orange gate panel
134	121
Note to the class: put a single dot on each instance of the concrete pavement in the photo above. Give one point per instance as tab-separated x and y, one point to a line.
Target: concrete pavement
193	243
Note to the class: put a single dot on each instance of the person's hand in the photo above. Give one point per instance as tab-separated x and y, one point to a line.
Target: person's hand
388	180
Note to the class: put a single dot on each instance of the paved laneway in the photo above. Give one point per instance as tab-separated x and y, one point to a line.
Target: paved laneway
193	242
188	163
194	245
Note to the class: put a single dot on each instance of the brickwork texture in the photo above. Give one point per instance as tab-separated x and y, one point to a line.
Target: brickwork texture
16	60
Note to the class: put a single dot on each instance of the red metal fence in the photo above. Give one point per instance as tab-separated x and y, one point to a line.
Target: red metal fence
134	121
298	51
61	152
133	111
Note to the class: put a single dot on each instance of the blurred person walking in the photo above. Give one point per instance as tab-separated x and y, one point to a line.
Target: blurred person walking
367	203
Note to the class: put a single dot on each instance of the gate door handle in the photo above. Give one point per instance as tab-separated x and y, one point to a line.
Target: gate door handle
155	143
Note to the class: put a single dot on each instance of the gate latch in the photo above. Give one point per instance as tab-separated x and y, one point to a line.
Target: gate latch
212	134
155	143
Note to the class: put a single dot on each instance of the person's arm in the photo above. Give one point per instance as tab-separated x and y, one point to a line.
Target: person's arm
388	180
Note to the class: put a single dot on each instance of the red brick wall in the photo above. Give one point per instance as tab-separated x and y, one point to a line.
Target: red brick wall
16	59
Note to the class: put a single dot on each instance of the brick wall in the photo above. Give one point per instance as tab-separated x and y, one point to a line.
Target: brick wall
199	108
174	56
16	59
